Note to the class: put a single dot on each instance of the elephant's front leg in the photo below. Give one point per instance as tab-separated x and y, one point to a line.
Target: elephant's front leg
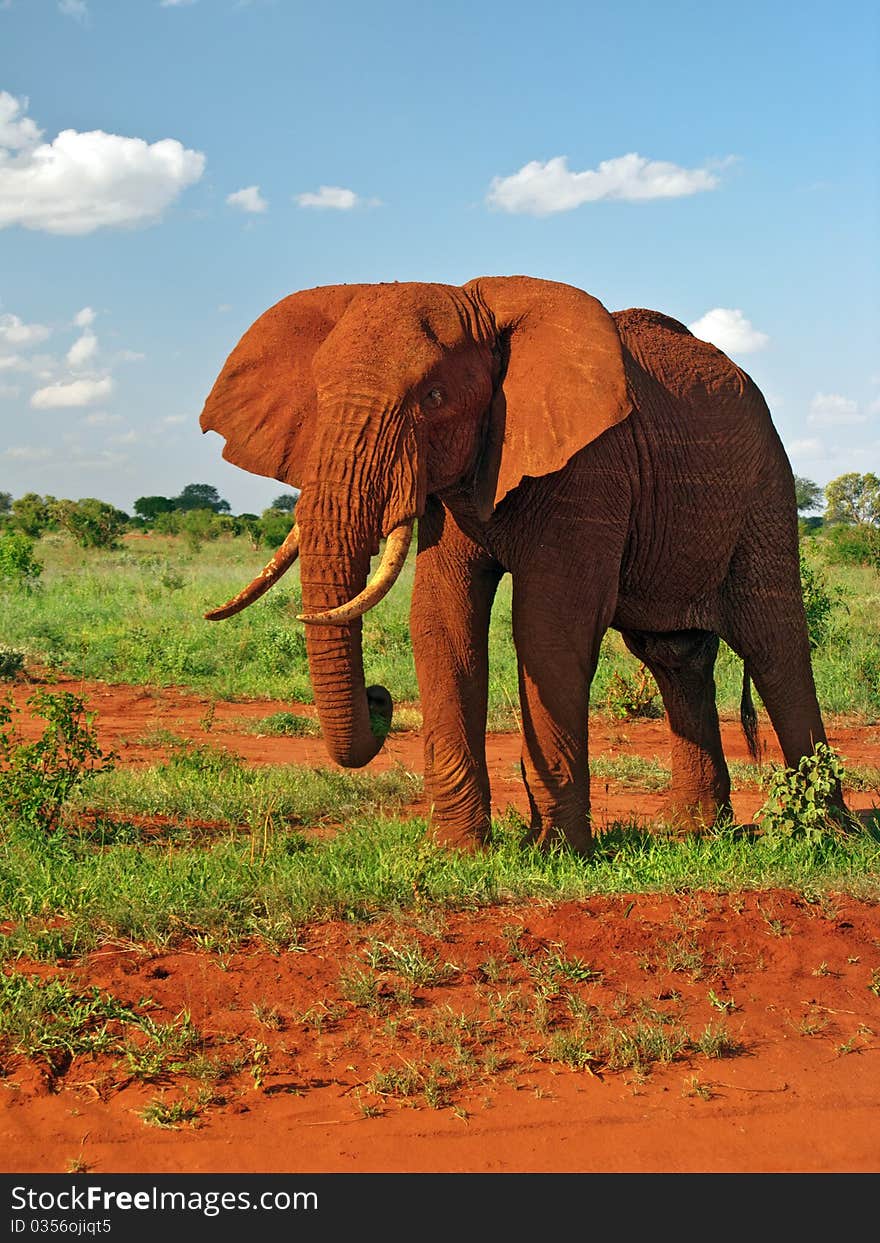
455	585
557	629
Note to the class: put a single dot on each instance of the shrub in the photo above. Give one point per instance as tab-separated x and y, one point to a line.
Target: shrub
198	525
19	568
39	777
31	513
274	527
11	663
858	545
92	523
629	697
799	801
819	602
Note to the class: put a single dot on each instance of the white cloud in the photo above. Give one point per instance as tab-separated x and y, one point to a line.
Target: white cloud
14	332
124	438
541	189
83	349
16	131
172	419
77	9
84	318
81	182
26	453
43	366
73	393
809	449
729	330
834	410
249	199
100	418
330	196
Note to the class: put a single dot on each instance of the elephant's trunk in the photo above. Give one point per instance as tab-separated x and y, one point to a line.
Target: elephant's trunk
354	718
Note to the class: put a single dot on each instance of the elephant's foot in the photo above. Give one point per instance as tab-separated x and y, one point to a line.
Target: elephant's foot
451	837
685	816
578	837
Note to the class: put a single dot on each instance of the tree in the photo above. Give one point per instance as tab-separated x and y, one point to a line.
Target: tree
149	507
274	526
31	513
286	503
198	525
808	494
92	523
5	502
853	499
201	496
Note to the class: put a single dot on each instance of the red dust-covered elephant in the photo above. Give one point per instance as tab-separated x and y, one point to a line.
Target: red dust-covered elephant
624	472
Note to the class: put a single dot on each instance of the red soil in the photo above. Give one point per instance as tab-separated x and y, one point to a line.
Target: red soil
793	983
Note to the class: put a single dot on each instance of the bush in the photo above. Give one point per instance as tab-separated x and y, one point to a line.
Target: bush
633	697
799	801
19	568
819	602
39	777
275	527
11	663
31	513
198	525
92	523
857	545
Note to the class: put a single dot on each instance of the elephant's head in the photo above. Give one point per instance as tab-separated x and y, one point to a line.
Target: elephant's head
371	397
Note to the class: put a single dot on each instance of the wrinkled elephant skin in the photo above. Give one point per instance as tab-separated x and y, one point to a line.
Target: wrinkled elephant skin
625	474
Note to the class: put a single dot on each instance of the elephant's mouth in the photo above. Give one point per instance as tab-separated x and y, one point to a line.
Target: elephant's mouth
393	558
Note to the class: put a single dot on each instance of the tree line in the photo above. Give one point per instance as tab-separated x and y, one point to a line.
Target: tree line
198	513
851	512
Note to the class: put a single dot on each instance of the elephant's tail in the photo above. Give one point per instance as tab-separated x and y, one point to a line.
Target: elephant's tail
748	716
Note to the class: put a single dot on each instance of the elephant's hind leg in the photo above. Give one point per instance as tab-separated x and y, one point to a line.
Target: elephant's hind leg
765	624
682	663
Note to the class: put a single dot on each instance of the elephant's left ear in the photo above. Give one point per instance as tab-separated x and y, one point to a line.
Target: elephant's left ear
563	382
264	402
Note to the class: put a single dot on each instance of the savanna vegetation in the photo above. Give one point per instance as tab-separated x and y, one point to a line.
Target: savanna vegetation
205	850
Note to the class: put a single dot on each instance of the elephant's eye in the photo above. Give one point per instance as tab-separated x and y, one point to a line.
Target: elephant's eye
433	398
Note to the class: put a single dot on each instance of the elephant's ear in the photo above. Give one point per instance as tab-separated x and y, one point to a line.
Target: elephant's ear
264	402
562	383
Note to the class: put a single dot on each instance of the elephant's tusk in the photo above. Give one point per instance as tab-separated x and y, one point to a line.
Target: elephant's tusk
396	548
267	577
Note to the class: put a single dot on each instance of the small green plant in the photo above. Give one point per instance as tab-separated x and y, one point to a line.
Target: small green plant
40	777
19	568
799	801
11	663
172	1115
285	725
629	697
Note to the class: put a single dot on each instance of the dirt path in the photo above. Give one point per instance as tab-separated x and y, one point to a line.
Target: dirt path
696	1032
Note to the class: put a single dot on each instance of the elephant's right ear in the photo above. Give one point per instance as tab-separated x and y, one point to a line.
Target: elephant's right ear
562	385
264	401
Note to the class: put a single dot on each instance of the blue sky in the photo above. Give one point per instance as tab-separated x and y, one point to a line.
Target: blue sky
168	170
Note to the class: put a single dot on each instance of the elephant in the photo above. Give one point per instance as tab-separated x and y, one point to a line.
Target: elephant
624	472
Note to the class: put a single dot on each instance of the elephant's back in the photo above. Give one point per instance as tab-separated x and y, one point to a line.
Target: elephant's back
697	376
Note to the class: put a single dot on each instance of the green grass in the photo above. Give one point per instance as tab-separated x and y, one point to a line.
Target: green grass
64	895
135	615
222	789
